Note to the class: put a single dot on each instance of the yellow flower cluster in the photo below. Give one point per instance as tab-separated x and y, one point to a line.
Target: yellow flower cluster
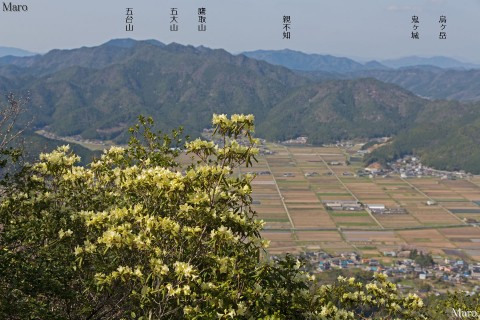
184	270
123	273
56	158
62	234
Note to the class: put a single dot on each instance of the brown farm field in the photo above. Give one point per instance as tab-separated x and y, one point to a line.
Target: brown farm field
300	178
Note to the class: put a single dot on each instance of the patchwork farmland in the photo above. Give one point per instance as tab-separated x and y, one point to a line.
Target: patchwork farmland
294	185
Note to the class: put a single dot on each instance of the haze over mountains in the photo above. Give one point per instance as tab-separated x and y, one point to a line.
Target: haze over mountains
9	51
298	60
98	92
434	78
438	61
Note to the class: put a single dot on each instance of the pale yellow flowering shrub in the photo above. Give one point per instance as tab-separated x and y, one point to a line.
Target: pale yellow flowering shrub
135	236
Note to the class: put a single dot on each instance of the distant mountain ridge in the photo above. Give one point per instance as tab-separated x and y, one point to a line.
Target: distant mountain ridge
297	60
16	52
111	52
438	61
433	78
431	82
98	92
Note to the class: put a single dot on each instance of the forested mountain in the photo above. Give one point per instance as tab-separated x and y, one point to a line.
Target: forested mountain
335	110
177	85
434	78
445	135
431	82
98	93
426	81
111	52
297	60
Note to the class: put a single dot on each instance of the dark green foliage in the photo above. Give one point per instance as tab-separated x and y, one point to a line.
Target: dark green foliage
159	148
424	260
443	306
424	80
431	81
445	136
35	144
98	92
336	110
128	238
39	275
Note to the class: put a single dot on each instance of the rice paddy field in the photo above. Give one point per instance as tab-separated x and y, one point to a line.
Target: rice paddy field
296	180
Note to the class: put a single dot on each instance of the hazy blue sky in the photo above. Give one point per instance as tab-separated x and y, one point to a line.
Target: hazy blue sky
368	29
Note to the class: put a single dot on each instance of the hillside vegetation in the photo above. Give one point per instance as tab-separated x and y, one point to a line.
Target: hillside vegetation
98	92
444	136
435	78
132	237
